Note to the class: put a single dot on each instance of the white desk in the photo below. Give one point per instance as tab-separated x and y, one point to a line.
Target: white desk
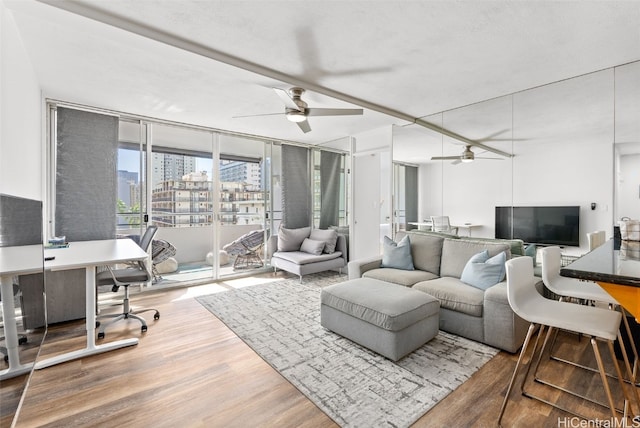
14	261
88	255
428	225
468	226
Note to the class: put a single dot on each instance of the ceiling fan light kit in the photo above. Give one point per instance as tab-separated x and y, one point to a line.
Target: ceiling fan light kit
295	115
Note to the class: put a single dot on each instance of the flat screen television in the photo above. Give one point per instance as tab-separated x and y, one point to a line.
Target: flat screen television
540	225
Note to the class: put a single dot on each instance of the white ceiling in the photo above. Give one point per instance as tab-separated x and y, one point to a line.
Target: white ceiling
416	58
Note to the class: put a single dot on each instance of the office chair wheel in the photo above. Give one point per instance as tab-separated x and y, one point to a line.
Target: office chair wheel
156	316
100	335
143	328
22	340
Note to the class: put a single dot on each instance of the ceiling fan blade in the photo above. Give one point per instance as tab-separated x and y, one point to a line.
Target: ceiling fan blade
304	125
286	99
456	162
333	111
256	115
445	158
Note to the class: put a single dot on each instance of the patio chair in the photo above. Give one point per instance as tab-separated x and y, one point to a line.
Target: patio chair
161	250
246	250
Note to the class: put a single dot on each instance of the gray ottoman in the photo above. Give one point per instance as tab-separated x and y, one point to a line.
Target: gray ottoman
387	318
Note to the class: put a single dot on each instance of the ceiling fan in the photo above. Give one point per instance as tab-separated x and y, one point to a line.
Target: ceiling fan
296	109
466	156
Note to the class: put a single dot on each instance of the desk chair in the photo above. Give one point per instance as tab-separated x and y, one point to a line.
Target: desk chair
596	323
442	224
22	338
124	278
586	291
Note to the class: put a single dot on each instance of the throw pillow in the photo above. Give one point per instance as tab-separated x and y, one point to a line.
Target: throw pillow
397	255
483	272
312	247
291	239
531	250
330	237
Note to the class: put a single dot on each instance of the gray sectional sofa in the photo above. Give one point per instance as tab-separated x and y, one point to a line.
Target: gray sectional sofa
481	315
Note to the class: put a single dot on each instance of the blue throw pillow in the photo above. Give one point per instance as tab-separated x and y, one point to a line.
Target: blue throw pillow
531	250
397	255
482	272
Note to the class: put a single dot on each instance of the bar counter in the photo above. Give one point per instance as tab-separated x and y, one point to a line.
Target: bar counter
615	273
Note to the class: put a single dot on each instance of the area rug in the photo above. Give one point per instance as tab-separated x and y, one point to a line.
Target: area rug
352	385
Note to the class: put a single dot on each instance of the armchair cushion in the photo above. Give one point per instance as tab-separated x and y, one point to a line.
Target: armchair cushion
291	239
328	236
312	247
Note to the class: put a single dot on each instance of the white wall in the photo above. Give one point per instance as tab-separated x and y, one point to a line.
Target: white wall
539	174
629	186
371	188
21	169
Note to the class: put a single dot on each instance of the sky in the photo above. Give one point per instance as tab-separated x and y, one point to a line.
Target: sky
129	160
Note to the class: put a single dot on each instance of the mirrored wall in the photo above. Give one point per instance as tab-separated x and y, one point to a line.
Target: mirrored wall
23	325
571	143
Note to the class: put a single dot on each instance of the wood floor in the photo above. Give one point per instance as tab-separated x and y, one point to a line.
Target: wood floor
190	370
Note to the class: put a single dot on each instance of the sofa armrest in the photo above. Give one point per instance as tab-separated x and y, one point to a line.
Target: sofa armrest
358	267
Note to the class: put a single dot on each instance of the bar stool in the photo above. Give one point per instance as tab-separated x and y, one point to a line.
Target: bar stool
585	290
596	323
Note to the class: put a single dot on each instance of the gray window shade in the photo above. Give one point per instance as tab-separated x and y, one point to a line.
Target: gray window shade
329	188
411	193
86	179
20	221
296	188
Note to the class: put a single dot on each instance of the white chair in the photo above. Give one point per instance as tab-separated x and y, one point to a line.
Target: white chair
567	288
596	239
442	224
597	323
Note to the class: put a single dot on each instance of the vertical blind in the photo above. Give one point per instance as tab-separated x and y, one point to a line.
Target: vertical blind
329	188
296	188
86	159
411	193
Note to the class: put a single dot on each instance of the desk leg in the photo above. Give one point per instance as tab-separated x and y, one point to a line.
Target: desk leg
11	332
91	348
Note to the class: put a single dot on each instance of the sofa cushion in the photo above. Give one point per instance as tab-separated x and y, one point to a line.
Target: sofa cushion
397	255
457	252
482	272
454	294
328	236
312	247
398	276
516	245
301	258
427	251
291	239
